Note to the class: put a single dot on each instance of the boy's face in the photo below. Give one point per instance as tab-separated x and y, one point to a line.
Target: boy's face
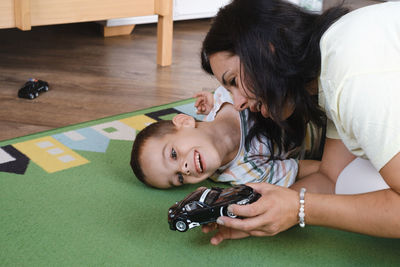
187	156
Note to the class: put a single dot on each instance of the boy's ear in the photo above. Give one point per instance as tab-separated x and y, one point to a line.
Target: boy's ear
183	120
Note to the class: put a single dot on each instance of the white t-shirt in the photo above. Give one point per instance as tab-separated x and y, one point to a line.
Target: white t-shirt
359	84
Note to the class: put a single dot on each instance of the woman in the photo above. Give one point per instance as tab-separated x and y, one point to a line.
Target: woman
275	58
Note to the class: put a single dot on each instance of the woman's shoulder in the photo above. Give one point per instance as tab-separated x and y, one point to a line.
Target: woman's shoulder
349	44
364	23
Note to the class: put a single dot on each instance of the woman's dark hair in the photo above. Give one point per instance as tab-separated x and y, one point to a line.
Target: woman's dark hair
278	46
154	130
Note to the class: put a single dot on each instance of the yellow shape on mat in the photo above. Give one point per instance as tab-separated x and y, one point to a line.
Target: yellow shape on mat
50	154
138	122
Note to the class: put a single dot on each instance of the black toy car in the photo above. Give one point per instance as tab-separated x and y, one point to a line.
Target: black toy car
32	88
205	205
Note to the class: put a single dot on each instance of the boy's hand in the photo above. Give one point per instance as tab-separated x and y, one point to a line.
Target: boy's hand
204	102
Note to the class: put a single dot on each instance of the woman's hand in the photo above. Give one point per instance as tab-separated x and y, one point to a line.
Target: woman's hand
223	233
204	102
274	212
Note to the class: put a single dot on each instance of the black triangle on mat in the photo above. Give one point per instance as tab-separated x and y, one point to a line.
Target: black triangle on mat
162	114
17	166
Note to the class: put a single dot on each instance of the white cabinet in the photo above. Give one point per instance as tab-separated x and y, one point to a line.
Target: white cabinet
183	9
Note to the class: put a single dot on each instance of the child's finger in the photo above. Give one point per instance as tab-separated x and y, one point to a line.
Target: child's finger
200	109
199	94
198	102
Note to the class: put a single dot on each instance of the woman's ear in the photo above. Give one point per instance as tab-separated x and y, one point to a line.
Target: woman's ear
183	120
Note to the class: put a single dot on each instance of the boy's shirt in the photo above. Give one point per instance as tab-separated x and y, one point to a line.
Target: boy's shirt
251	164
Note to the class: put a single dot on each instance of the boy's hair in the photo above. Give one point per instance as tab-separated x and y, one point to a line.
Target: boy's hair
155	130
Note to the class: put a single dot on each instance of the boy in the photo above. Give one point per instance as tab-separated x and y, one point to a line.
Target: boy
185	151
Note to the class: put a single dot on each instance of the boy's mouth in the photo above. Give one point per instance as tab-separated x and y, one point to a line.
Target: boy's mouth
197	162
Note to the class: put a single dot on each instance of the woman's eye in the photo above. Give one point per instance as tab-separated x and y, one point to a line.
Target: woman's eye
173	154
180	178
233	82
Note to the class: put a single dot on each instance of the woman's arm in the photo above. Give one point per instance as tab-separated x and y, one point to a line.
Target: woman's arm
310	178
376	213
307	167
323	181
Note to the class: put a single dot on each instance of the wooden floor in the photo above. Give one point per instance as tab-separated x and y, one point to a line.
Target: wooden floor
92	77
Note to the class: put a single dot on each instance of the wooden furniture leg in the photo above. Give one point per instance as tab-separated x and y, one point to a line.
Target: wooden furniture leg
164	32
109	31
48	12
22	12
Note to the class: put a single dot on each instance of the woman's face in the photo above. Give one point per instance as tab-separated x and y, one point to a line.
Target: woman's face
226	68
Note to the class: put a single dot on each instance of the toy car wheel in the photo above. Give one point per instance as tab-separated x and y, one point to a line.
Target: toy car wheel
46	88
31	96
230	214
181	226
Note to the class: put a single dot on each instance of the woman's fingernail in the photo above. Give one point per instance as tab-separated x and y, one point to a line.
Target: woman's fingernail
220	222
230	209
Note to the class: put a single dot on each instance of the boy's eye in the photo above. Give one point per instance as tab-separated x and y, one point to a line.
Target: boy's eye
173	153
180	178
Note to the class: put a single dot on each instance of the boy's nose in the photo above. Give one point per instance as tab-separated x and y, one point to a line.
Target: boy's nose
185	168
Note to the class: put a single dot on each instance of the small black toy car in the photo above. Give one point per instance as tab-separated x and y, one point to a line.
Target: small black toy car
205	205
32	88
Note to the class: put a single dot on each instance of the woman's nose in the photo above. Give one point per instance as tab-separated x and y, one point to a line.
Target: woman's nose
240	102
185	168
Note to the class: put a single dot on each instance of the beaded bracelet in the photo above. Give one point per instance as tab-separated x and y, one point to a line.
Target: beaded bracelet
302	222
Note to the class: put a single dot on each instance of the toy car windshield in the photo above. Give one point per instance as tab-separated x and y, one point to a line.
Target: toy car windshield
205	205
193	205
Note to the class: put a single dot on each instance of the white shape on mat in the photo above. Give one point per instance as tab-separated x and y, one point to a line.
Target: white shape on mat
5	157
74	135
44	144
55	151
66	158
